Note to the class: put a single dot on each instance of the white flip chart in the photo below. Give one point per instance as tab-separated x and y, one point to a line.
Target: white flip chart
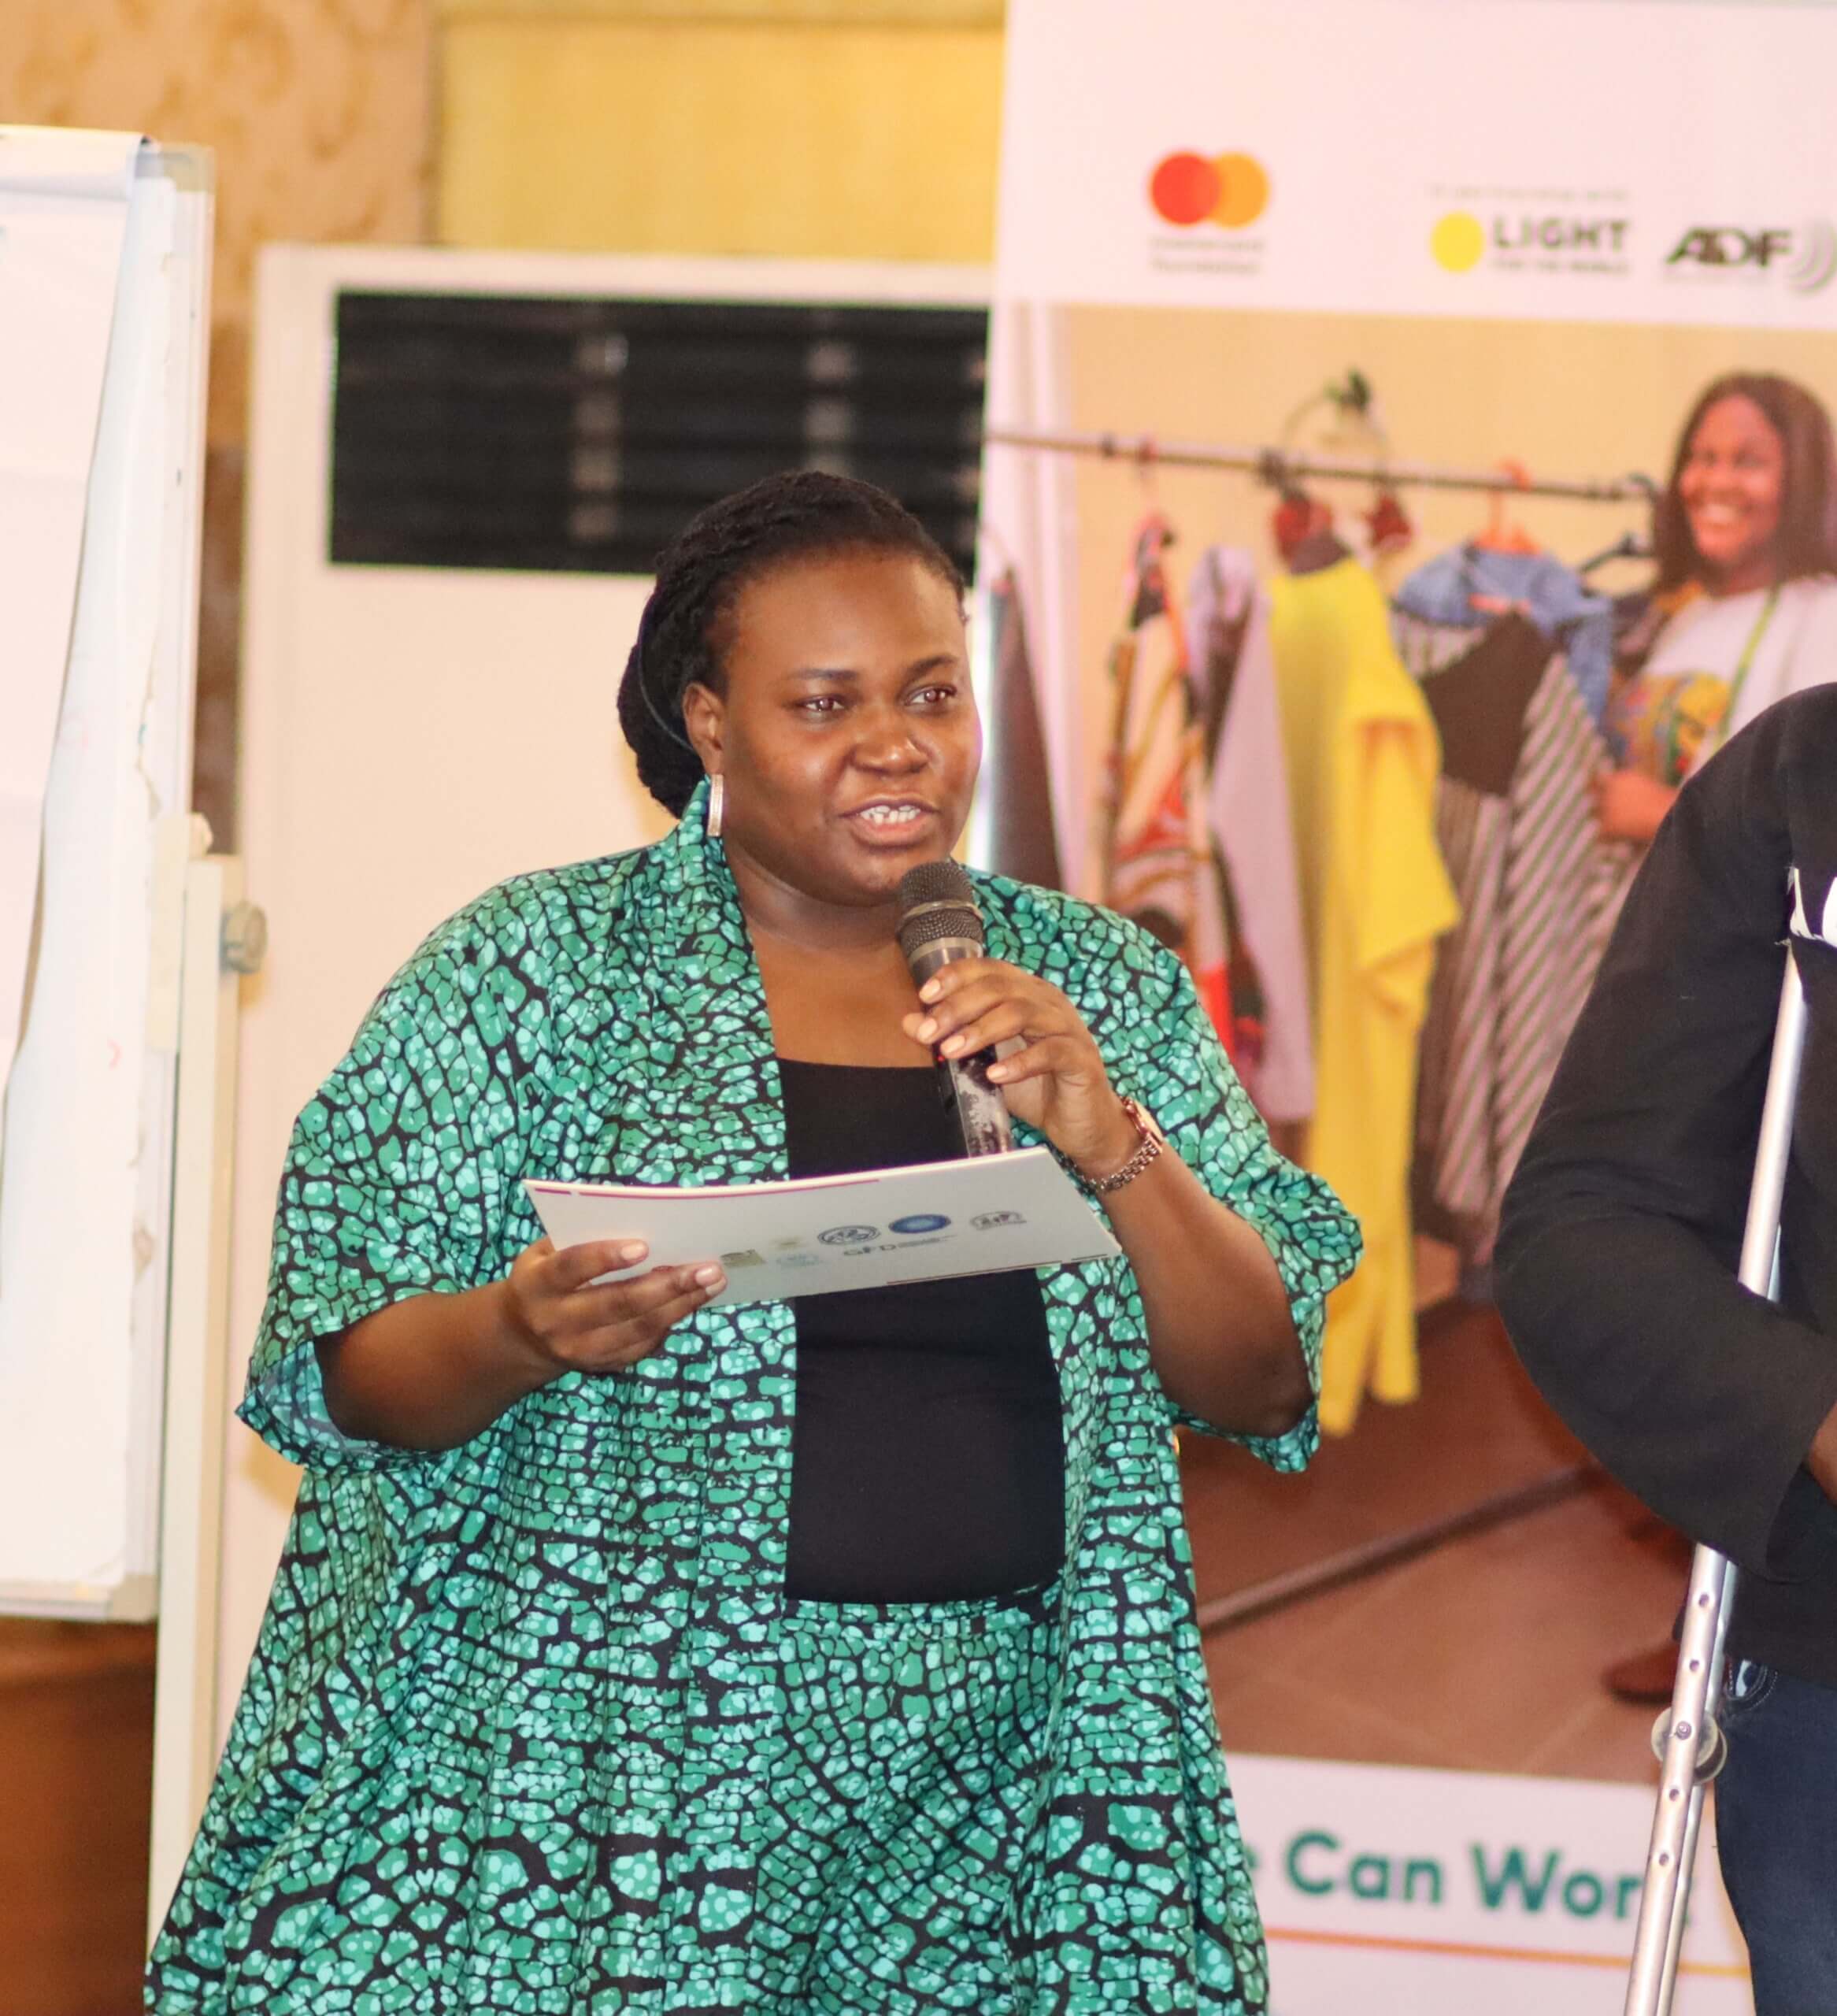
104	275
64	200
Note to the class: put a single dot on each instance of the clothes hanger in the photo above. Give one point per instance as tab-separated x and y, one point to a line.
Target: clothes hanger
1629	546
1302	524
1504	535
1147	459
1389	527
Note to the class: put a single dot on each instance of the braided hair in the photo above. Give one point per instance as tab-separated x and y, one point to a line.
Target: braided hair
682	636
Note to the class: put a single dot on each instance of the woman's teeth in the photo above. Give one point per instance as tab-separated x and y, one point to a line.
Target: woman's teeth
890	815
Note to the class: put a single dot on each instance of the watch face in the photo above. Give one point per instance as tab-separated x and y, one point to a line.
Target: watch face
1145	1120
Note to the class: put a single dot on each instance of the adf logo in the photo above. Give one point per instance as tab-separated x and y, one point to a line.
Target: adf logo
1804	259
1189	189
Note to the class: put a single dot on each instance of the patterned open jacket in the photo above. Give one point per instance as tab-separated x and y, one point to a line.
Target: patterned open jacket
522	1686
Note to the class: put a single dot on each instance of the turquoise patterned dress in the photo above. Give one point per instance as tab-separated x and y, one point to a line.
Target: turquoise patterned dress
531	1726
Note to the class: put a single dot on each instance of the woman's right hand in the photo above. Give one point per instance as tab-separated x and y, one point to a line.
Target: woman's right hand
569	1324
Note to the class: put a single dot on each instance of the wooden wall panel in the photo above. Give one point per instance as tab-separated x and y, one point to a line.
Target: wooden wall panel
75	1785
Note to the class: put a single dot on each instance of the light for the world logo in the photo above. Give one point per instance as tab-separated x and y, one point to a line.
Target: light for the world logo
1458	242
1189	189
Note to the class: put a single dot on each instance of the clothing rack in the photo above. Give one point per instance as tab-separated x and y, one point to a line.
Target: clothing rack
1277	466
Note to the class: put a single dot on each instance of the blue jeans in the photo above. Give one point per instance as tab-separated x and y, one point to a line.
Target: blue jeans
1777	1831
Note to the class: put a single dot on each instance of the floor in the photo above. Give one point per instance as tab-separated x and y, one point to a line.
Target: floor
1484	1655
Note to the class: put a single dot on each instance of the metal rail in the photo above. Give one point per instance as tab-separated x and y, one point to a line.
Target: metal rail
1277	466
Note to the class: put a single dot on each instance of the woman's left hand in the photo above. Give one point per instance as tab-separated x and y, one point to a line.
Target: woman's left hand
1056	1082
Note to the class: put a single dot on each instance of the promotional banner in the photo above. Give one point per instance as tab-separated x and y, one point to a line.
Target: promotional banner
1616	161
1388	338
1401	1892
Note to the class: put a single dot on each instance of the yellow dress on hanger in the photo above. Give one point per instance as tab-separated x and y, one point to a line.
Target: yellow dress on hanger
1363	758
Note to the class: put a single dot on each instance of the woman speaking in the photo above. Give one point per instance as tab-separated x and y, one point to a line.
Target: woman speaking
633	1654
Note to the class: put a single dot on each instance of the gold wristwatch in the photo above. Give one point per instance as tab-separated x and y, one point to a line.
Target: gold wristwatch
1147	1150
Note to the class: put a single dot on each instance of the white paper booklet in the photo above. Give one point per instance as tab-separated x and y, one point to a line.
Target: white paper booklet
923	1223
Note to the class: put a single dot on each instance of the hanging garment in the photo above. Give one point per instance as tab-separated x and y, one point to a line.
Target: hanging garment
1159	865
1515	820
1363	758
1473	584
1024	842
531	1724
1247	808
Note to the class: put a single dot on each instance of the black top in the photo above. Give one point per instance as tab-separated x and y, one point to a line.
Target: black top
927	1461
1623	1227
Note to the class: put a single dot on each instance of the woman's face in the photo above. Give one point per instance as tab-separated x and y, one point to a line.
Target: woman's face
1732	486
847	732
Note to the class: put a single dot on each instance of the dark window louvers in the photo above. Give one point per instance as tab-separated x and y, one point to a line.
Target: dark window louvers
573	435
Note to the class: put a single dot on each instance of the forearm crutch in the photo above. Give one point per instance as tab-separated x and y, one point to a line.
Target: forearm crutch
1689	1744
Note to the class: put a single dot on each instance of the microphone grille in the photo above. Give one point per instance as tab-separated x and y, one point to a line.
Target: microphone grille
944	899
935	882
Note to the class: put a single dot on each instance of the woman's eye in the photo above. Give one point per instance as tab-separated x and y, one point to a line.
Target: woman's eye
819	704
932	696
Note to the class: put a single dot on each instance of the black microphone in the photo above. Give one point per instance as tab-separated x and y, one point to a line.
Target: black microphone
939	923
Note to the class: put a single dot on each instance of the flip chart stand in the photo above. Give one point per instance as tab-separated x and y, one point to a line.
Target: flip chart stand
210	937
1691	1746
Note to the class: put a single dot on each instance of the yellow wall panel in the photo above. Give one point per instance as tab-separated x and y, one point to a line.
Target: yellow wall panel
860	141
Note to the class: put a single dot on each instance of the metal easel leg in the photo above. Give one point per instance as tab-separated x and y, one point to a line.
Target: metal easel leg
1690	1746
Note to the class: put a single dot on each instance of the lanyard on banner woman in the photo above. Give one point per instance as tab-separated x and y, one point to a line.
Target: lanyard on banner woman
1746	660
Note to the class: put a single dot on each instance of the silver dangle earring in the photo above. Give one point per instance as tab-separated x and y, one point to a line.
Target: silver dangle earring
717	804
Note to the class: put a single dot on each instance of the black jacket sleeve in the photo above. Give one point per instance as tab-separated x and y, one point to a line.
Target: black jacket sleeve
1623	1226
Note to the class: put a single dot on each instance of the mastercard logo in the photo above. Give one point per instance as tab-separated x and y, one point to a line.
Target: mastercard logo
1231	190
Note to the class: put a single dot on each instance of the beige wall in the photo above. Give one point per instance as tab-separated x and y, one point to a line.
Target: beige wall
317	111
862	128
824	128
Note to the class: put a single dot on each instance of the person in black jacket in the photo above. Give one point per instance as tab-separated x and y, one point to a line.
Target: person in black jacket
1616	1277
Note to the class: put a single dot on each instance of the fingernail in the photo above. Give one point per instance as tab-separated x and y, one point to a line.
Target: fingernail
930	991
707	1277
634	1249
997	1071
927	1029
951	1045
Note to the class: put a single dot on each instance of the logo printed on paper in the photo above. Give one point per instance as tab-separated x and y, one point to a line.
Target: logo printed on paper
988	1220
1804	260
1540	231
1229	190
919	1221
849	1235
